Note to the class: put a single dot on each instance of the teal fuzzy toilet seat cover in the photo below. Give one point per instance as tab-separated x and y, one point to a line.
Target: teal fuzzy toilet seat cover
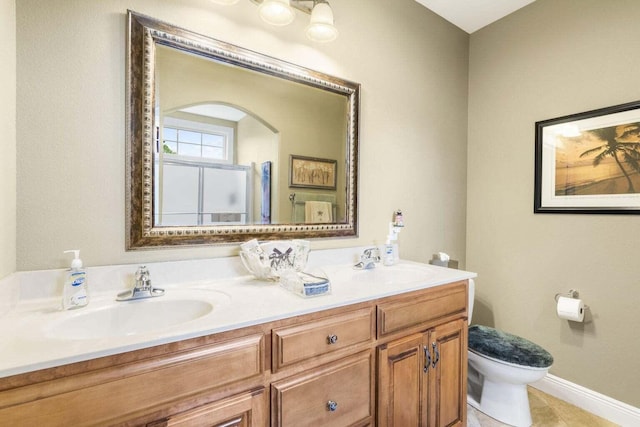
508	348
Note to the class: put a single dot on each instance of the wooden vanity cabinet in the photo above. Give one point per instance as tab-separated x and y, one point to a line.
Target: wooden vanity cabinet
397	361
422	376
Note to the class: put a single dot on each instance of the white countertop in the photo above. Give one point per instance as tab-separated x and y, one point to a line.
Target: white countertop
29	341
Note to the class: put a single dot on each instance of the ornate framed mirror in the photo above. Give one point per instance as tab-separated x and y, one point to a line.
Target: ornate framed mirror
225	144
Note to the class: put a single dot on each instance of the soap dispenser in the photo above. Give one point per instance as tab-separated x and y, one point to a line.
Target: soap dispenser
75	293
391	255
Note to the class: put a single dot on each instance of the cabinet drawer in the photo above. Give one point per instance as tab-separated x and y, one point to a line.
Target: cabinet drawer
244	410
300	342
107	396
417	310
338	394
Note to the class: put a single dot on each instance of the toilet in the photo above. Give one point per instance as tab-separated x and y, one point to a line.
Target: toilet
500	367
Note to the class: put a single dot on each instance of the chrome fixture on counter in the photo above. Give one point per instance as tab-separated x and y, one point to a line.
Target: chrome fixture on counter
142	287
368	259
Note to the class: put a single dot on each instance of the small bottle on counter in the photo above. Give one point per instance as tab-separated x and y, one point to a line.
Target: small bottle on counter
75	293
388	257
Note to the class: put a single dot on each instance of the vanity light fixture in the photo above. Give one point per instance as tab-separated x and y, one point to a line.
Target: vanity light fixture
321	28
281	13
276	12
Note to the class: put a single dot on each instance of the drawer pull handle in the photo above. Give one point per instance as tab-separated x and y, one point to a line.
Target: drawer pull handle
232	423
332	406
436	357
427	359
332	339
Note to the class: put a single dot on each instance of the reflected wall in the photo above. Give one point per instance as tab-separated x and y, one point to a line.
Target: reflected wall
303	120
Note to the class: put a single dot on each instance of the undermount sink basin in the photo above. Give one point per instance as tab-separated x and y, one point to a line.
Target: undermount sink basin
119	319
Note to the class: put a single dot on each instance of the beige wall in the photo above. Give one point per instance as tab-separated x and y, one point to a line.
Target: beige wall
8	140
71	59
553	58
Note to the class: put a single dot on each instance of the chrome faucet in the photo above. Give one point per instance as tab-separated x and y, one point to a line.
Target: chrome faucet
368	259
142	287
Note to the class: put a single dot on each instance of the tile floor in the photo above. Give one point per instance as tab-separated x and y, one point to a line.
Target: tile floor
546	411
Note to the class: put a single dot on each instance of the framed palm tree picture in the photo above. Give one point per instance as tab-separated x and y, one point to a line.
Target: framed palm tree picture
589	162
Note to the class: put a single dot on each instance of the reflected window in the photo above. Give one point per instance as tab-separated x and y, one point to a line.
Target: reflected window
198	180
191	143
198	140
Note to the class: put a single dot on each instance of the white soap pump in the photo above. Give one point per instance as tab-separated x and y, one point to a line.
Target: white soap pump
75	293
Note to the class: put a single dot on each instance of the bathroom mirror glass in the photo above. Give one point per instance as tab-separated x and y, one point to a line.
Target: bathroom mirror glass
226	144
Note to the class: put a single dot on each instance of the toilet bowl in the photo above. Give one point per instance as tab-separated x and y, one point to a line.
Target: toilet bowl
500	367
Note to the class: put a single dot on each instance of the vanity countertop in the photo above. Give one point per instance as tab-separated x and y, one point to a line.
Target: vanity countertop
239	301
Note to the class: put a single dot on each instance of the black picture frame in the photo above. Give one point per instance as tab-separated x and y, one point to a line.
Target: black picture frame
589	162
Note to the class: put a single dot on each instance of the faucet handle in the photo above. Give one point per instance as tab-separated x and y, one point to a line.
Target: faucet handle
368	259
371	254
142	277
142	287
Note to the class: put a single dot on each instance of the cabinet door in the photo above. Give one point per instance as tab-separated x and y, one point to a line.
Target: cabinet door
448	375
244	410
403	372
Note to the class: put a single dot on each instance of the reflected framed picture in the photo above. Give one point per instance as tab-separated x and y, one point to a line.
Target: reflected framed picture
312	172
589	162
265	196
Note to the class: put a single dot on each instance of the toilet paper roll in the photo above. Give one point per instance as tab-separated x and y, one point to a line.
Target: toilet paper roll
570	309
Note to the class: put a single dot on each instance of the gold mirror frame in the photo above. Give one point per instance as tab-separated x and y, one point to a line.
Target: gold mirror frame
144	33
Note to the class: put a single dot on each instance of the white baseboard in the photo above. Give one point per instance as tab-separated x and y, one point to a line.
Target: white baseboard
589	400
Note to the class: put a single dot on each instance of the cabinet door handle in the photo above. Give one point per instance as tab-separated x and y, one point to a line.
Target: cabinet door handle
436	353
332	406
332	339
427	359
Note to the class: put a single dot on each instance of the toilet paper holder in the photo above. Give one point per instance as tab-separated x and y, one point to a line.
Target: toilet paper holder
571	294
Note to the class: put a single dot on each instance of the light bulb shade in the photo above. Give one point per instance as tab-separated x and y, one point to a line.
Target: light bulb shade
321	27
276	12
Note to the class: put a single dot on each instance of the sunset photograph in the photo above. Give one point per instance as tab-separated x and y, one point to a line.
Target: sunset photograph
599	161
